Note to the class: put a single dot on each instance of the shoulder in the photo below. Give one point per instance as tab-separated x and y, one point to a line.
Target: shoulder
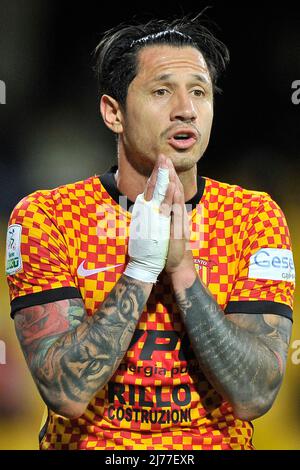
225	190
235	197
51	201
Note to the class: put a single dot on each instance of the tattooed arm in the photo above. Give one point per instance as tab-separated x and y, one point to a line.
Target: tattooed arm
242	355
70	355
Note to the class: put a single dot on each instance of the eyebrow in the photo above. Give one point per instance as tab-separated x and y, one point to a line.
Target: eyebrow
200	77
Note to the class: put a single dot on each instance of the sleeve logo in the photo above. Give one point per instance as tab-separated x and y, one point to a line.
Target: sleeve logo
272	264
13	249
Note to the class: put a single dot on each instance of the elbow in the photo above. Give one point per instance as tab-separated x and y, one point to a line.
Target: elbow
67	410
248	406
249	414
57	403
69	414
252	410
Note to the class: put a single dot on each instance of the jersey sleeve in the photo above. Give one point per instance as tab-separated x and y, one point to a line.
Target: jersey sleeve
37	261
265	278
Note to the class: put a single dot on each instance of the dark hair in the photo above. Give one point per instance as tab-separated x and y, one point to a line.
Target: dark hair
116	54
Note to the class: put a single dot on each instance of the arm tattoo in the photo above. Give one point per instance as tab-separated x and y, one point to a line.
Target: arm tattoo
72	355
243	356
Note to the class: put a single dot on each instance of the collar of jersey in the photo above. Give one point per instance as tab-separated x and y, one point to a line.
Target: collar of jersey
108	181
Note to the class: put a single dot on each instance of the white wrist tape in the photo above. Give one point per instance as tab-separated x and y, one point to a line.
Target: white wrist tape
149	234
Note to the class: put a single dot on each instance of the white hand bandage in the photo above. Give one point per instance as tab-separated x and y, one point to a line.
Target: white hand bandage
149	234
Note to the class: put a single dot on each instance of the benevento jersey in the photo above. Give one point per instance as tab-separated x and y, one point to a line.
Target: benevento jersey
72	241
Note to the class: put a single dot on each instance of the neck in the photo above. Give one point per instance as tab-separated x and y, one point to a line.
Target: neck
132	182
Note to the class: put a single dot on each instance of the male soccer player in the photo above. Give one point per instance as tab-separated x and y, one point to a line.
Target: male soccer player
176	335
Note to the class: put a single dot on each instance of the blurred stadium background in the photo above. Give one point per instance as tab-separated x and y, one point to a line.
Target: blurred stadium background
51	134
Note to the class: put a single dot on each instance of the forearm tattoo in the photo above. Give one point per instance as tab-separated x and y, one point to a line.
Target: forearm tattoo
243	356
73	355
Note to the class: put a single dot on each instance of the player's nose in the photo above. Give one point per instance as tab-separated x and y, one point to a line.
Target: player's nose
183	108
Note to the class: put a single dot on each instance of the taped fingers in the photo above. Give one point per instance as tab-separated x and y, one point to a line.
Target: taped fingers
161	186
166	205
151	183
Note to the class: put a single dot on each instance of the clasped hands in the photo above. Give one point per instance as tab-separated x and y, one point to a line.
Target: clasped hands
159	230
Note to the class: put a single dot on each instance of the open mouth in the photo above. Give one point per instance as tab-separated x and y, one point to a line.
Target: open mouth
182	136
183	139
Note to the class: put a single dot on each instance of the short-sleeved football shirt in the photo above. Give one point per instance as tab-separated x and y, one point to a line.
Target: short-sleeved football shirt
72	242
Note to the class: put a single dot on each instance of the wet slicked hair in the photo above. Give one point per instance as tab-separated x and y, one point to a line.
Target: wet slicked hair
116	54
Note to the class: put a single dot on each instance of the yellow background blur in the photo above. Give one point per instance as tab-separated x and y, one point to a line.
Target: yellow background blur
278	429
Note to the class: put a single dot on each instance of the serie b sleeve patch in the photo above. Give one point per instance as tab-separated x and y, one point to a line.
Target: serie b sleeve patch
13	249
272	263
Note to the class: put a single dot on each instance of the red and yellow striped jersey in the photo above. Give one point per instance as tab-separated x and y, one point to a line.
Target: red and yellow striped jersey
73	243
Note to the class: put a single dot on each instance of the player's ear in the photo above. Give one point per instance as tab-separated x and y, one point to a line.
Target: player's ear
111	113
